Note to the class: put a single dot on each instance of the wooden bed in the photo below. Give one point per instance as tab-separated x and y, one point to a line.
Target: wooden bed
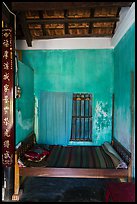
48	168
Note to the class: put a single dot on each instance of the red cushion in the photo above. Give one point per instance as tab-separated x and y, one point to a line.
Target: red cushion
36	154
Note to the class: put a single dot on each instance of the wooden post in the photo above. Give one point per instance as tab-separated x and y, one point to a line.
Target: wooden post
15	196
8	111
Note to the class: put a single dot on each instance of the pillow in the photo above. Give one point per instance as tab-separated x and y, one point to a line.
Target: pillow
109	148
117	160
36	154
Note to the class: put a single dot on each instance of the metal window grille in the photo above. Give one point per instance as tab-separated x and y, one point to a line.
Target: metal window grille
81	118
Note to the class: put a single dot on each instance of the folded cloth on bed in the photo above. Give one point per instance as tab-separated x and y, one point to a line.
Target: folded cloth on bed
36	154
117	160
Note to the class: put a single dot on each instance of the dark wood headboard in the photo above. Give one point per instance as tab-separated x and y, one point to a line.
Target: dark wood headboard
122	151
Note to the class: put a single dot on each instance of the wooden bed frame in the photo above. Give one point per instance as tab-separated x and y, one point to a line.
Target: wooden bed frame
68	172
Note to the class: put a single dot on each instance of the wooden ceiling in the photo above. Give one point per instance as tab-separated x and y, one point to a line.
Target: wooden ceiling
47	20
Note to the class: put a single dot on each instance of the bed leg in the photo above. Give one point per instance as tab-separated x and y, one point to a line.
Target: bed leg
16	195
130	172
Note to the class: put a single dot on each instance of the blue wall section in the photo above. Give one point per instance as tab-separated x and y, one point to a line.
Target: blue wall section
25	104
77	71
124	59
71	70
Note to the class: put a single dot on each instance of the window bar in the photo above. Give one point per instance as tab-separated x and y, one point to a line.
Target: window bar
80	118
73	129
75	115
84	116
90	118
72	123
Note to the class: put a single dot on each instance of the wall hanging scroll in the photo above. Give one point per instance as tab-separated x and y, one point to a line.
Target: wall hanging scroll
7	98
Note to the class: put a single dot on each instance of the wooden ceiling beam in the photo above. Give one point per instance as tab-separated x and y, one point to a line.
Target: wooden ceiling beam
42	26
91	23
25	6
74	20
66	24
25	29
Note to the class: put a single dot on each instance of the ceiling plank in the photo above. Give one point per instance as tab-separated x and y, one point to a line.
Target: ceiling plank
25	29
99	27
25	6
72	20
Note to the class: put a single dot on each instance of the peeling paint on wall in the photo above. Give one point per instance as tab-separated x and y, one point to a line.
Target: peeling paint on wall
103	119
24	124
25	104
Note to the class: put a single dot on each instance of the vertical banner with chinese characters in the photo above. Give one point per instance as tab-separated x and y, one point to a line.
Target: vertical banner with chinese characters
7	98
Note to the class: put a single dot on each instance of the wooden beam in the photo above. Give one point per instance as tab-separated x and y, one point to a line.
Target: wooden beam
42	26
72	20
25	29
66	24
91	23
73	172
25	6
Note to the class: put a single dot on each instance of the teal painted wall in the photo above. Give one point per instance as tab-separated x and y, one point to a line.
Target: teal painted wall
25	104
124	60
76	71
124	63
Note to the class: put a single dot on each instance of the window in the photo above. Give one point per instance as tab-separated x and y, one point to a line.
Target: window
82	117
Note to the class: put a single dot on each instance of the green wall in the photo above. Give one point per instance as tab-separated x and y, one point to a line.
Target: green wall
25	104
124	60
124	63
77	71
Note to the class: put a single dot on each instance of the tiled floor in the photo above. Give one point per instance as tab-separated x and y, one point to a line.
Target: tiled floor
41	189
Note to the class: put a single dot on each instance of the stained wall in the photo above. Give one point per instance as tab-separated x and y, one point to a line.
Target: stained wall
124	65
24	106
124	60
